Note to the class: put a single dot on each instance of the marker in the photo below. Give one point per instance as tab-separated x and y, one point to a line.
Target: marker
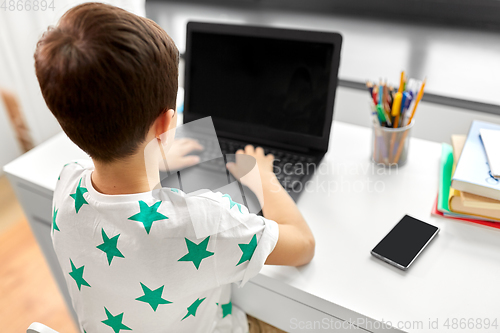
386	116
379	140
396	105
375	94
405	104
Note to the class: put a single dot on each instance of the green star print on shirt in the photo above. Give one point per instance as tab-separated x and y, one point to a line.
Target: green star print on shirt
77	275
231	202
148	215
115	322
152	297
248	250
227	309
193	308
197	252
110	246
78	196
54	216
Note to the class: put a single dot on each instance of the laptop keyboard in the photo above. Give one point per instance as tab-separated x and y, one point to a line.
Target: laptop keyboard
290	168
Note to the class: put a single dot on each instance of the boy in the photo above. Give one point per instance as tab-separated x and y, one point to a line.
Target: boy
131	255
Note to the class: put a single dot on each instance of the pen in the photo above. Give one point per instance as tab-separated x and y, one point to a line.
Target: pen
375	118
405	104
380	93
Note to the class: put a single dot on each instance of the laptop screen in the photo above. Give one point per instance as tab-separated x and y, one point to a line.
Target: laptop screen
278	84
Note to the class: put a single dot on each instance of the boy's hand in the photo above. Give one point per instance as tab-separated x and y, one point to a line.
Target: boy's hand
177	156
243	165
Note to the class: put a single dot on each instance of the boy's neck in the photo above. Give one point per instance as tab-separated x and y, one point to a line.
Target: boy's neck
127	176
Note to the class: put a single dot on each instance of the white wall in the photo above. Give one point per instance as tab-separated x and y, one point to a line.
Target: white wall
19	33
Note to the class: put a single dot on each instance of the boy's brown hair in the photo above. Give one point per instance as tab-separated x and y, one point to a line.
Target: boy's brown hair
106	75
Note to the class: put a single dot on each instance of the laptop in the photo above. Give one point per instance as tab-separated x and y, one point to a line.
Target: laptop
264	86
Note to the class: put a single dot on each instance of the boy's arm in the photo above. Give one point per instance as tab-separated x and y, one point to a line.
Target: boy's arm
295	246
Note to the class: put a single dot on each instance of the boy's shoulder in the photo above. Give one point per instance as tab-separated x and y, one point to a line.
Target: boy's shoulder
71	173
74	168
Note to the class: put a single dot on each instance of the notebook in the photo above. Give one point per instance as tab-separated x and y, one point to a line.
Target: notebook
436	212
445	177
463	203
473	173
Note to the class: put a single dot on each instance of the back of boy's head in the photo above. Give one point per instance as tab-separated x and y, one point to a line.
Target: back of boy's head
106	75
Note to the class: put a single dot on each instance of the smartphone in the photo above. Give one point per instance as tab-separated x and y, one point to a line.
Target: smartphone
402	245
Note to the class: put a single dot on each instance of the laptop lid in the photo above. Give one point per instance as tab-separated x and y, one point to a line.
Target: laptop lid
265	85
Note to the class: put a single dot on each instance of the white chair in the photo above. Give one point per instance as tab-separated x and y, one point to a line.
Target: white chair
39	328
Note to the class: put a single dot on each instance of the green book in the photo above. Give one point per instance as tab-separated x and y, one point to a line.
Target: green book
445	171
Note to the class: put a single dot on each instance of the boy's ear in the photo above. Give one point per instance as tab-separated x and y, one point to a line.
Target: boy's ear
164	122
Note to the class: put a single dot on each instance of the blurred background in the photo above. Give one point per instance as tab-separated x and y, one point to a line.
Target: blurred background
454	43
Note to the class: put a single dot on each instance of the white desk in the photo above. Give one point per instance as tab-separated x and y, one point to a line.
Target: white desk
456	276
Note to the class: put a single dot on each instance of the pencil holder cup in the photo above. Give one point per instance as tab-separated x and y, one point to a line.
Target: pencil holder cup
390	145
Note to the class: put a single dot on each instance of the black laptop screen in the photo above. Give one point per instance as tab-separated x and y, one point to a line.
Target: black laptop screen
273	83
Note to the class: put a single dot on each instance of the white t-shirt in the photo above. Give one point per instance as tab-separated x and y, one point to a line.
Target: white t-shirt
159	261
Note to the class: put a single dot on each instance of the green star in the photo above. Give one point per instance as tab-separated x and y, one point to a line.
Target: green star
78	196
115	322
174	190
77	275
232	203
197	252
110	247
148	215
193	308
153	297
227	309
248	250
54	216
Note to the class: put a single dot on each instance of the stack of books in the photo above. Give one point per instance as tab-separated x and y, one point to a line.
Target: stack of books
468	190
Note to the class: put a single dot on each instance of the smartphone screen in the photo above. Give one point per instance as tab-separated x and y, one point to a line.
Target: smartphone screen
401	246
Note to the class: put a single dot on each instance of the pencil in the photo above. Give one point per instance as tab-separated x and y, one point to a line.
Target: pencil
419	97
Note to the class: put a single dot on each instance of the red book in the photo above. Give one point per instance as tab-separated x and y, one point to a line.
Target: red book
436	212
